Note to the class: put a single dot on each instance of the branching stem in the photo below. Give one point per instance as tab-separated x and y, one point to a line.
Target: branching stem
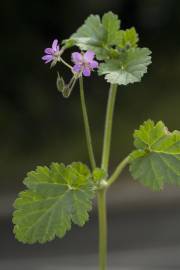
118	171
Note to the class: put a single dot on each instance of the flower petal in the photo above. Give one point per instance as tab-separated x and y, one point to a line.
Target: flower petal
49	60
77	68
49	51
89	56
94	64
47	57
86	72
76	58
54	45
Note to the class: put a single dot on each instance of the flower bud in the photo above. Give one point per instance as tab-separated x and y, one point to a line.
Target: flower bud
60	83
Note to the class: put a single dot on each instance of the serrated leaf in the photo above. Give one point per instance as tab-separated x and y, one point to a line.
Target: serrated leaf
157	158
56	197
148	134
128	38
98	36
111	24
91	36
128	68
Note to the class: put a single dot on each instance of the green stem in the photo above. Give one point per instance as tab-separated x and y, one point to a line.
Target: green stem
86	125
101	196
102	229
65	63
118	171
108	127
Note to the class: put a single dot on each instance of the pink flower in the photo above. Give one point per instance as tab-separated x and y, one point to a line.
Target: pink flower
52	54
84	62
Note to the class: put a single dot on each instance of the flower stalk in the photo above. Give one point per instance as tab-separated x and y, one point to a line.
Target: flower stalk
108	127
86	125
65	63
101	194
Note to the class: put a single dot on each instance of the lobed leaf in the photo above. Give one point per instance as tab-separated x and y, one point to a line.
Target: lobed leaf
124	62
91	36
127	68
98	36
157	158
128	38
56	197
111	24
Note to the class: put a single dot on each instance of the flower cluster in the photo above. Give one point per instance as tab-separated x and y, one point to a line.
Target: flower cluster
84	63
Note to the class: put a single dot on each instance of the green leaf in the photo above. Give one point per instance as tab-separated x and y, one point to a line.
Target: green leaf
157	158
56	197
111	24
91	36
148	134
128	38
98	36
128	68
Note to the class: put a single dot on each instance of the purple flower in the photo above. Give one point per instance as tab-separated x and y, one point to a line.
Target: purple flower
84	62
52	54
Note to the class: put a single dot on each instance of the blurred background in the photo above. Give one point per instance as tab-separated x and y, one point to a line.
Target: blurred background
39	126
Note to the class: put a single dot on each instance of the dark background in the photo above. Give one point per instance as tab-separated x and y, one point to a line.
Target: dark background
39	126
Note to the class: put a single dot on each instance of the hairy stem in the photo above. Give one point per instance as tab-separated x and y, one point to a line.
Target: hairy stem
101	196
86	125
102	229
108	127
118	171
